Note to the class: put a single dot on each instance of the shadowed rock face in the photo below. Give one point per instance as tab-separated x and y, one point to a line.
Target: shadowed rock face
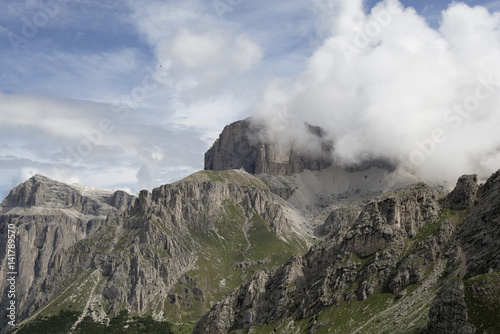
464	194
448	312
480	231
240	146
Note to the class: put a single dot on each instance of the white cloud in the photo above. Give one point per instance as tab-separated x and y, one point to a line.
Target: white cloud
203	71
205	64
210	60
382	82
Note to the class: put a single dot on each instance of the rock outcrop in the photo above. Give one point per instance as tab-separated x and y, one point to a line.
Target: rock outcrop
464	194
323	277
50	218
338	220
480	232
448	312
240	145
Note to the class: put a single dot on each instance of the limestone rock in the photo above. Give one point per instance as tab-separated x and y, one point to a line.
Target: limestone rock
240	145
393	217
306	285
448	313
480	231
50	218
338	219
142	253
464	194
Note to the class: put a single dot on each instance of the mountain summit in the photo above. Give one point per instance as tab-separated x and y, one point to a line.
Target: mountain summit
243	144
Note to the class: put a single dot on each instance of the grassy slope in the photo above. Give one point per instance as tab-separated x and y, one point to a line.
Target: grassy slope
231	254
229	176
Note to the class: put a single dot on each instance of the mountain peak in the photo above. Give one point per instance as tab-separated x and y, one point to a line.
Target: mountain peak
42	191
240	145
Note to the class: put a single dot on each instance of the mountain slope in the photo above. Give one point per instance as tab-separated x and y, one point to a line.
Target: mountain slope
171	253
49	218
405	266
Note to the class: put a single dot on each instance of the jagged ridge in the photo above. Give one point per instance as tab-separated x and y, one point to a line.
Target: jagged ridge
156	255
398	241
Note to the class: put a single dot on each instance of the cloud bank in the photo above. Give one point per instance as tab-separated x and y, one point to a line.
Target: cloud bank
385	84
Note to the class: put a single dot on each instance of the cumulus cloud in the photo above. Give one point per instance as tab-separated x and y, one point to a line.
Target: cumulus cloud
384	83
205	63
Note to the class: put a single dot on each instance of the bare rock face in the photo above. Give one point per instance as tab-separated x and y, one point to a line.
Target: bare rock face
337	220
393	218
448	313
49	218
240	146
480	231
464	194
305	285
400	240
151	253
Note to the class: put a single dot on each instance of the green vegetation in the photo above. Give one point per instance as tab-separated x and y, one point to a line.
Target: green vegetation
456	217
482	295
229	255
266	245
57	324
348	316
183	328
229	176
124	324
72	298
361	260
121	324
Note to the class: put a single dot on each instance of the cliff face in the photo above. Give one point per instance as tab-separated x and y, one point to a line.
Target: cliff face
49	218
324	276
240	146
171	252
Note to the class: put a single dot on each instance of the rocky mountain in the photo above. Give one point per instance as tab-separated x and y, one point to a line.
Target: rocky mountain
171	252
310	181
241	145
414	261
267	239
49	218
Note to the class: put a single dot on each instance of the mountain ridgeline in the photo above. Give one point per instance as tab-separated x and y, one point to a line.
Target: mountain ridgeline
267	239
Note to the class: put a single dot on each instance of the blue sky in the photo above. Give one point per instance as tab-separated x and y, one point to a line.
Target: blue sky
129	94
